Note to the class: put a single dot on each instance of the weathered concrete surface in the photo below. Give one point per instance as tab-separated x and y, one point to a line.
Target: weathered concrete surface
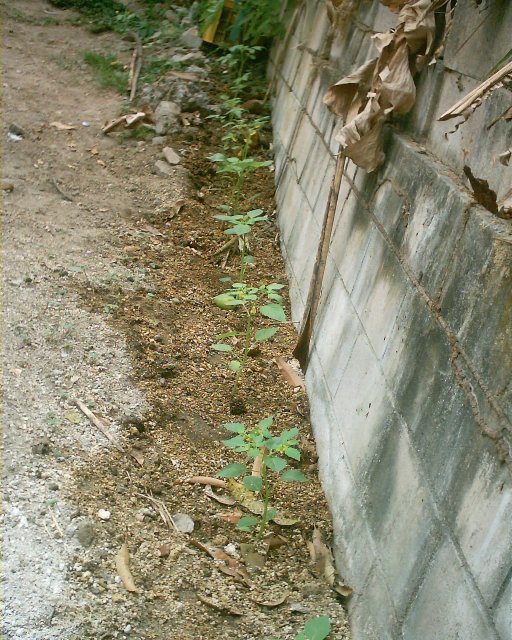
411	363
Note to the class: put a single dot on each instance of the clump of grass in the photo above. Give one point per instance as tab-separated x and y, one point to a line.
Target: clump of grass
107	71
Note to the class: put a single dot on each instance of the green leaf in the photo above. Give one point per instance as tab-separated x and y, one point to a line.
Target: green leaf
249	259
271	514
221	347
253	483
275	286
226	279
236	427
235	365
238	230
255	213
217	157
293	475
224	301
247	523
236	441
234	470
292	453
266	422
228	334
275	296
265	334
225	218
315	629
287	435
275	463
274	312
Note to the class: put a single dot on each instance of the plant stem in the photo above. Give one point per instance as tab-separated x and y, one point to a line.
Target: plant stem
243	266
247	346
266	499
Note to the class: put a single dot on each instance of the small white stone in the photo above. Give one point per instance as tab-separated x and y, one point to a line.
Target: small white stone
103	514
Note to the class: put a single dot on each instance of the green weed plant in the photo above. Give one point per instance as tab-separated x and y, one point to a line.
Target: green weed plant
274	453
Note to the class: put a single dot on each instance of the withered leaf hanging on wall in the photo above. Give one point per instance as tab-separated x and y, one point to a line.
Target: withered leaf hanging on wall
384	85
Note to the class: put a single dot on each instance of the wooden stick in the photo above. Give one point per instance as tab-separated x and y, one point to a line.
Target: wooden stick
226	245
465	102
135	66
103	428
62	193
99	424
301	351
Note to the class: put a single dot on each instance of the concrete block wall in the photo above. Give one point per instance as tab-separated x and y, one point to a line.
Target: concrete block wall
411	361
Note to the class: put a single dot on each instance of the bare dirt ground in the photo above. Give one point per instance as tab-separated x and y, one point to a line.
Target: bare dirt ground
107	298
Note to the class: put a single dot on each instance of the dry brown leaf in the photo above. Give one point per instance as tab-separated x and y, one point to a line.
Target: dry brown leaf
225	563
258	461
343	589
504	158
484	195
61	126
94	151
271	604
227	500
136	454
183	75
290	374
164	550
321	558
275	541
323	564
233	517
247	500
341	95
361	139
123	569
395	85
219	605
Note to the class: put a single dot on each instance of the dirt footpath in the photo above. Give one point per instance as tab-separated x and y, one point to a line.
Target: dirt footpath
107	295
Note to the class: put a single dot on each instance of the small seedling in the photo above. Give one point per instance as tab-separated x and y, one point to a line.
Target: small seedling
272	453
249	299
241	225
240	168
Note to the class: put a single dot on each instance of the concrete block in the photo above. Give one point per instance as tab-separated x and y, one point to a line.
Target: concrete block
302	148
483	526
400	513
473	143
361	404
436	213
480	37
337	324
353	545
446	605
477	303
371	612
379	290
319	29
318	170
503	613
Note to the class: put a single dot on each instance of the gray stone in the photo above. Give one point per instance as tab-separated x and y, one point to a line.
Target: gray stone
162	168
167	117
191	38
158	140
171	156
85	533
